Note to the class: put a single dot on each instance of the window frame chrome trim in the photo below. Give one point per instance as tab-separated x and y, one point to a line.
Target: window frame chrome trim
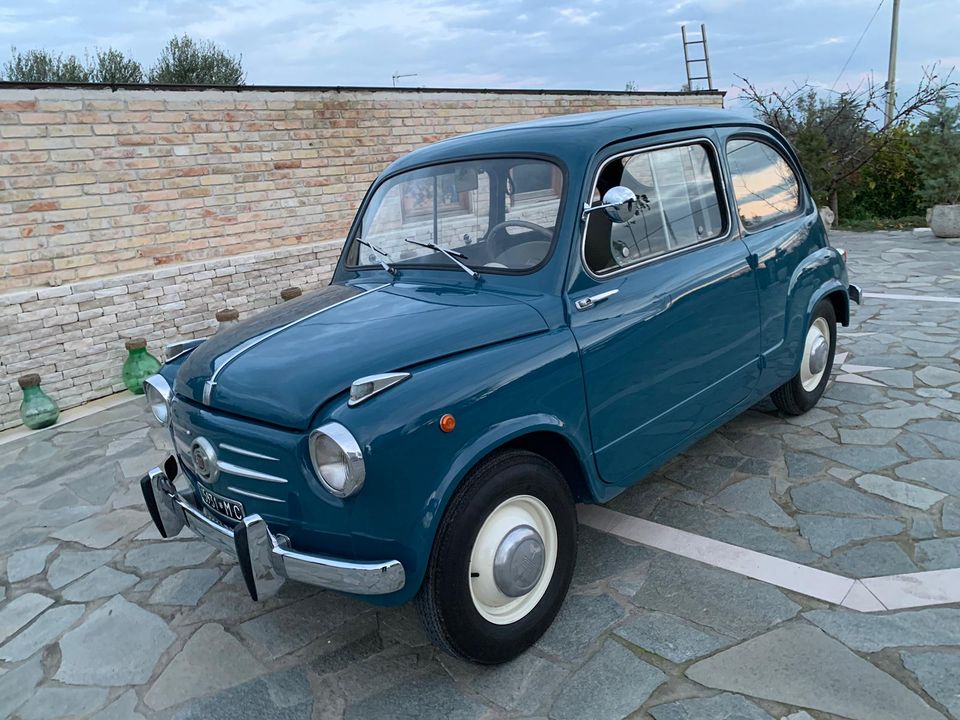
721	195
802	189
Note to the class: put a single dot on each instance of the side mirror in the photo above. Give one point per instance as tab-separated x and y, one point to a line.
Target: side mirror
619	203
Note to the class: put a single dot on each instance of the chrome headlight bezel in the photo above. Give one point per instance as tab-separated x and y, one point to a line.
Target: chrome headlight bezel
337	459
158	393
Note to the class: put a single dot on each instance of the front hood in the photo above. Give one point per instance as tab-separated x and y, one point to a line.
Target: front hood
282	364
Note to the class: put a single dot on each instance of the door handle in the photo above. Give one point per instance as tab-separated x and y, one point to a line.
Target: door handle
589	302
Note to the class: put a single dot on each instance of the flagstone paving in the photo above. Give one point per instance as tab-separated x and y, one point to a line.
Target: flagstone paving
99	618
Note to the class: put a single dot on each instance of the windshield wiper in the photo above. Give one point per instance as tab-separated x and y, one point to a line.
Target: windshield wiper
385	265
452	254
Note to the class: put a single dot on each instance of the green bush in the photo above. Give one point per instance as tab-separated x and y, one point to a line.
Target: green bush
185	61
936	143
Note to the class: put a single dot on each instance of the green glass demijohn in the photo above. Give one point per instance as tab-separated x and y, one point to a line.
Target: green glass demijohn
38	410
139	365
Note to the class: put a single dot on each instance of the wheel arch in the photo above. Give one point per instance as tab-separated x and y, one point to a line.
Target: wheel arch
841	305
559	451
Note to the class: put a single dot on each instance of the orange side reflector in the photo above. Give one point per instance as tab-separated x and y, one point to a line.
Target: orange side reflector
448	423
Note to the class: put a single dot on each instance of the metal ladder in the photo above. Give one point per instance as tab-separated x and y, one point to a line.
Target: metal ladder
688	61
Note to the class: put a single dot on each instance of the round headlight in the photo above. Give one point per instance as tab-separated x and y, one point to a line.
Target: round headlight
337	459
157	391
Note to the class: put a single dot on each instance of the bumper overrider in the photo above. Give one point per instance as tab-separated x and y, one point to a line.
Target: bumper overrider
853	292
266	560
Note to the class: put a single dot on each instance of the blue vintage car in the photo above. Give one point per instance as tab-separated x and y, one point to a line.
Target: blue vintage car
521	319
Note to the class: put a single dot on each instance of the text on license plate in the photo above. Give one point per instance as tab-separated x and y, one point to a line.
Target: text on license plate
231	508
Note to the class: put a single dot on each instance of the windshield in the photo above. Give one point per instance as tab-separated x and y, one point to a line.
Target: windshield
492	215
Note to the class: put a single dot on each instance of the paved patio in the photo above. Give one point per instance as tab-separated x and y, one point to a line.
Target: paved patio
99	619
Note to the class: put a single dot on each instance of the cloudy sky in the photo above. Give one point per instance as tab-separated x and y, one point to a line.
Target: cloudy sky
591	44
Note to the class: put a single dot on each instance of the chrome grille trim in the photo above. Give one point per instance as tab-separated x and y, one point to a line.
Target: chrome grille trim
254	495
239	471
248	453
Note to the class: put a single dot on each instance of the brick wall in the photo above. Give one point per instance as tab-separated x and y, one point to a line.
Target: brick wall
139	212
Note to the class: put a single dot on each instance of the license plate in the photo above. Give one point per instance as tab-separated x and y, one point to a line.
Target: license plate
225	506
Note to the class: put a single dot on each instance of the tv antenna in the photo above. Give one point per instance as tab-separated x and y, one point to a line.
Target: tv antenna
398	76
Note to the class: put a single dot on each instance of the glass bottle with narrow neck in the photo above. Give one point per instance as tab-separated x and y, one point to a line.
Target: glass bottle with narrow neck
37	410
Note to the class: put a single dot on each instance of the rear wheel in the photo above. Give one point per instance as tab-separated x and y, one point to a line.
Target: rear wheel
803	391
502	560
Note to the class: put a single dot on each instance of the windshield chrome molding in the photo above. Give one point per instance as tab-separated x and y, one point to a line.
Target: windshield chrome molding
362	389
220	365
722	195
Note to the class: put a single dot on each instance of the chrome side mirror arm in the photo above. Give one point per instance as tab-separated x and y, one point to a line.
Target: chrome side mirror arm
619	204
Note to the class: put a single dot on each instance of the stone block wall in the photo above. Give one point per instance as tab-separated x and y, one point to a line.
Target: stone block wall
141	211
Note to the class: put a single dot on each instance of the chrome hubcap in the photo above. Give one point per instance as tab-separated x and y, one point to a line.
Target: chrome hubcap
818	355
519	561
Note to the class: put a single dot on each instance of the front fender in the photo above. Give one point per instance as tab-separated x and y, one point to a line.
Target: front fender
496	394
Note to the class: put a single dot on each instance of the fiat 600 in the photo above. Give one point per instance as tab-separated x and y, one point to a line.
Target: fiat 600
521	319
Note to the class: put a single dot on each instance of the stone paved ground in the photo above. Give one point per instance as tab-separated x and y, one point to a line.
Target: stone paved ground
99	619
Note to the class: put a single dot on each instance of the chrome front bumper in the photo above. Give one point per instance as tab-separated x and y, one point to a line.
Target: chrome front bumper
266	560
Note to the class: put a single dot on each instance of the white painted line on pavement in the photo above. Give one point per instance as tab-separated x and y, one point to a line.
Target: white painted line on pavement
920	589
917	298
892	592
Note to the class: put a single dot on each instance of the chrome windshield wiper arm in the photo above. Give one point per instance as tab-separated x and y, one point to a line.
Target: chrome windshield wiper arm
452	254
385	265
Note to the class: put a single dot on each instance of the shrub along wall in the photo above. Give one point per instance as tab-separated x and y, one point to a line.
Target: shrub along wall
139	212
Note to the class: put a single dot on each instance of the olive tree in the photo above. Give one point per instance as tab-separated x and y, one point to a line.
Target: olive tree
185	61
113	67
937	142
44	66
836	136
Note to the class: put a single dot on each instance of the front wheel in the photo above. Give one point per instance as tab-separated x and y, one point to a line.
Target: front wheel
803	391
502	559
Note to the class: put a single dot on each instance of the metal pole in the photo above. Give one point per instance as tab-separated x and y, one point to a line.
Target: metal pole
706	56
892	64
686	57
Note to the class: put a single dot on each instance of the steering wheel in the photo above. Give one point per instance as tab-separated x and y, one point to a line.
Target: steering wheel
519	223
490	234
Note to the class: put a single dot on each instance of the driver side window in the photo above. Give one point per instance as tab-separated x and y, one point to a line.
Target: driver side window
677	206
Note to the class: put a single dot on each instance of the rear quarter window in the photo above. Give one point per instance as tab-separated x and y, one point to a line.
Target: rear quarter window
765	186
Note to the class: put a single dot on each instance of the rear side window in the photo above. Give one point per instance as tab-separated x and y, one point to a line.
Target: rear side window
678	206
766	188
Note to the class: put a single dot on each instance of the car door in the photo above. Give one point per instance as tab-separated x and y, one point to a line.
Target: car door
665	309
778	221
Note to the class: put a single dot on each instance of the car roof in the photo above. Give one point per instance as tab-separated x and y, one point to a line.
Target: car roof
581	133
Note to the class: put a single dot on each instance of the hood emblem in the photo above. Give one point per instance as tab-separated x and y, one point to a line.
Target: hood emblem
204	459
